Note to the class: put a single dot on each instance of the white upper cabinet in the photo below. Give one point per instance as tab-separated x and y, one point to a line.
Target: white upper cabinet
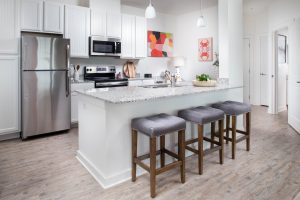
9	92
32	15
98	23
77	29
128	36
140	37
113	25
53	17
9	23
42	16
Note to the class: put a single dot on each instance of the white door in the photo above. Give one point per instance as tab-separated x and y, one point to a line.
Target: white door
294	76
98	23
247	70
9	92
77	29
32	15
9	27
113	25
53	17
264	78
128	36
141	37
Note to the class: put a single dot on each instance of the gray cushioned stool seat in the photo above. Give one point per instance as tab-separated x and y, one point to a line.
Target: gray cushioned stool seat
158	125
233	107
201	115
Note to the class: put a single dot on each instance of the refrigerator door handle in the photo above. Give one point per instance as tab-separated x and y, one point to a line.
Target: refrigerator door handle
67	84
67	72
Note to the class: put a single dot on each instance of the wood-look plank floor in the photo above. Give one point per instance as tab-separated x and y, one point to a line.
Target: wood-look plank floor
46	168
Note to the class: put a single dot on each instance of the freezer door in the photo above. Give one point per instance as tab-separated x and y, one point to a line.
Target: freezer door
45	102
44	53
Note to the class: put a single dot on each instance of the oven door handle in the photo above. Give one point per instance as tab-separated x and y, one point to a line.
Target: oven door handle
111	84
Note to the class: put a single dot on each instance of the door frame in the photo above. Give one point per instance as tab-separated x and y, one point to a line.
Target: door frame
251	64
273	79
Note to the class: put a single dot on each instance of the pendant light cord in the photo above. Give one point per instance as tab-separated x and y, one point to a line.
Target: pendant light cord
200	8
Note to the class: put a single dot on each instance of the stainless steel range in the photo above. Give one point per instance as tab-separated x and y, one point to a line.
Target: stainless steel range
104	77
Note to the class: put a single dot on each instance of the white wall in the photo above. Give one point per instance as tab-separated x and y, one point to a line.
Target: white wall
186	42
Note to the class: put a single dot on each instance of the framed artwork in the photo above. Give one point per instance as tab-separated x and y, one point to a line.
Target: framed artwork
206	49
282	49
160	44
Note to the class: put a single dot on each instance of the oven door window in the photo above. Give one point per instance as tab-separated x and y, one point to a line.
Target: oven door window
103	47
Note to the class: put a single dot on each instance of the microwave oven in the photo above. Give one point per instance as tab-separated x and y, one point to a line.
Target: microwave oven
101	46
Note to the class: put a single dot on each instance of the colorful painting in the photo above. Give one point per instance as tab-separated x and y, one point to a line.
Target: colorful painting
160	44
206	49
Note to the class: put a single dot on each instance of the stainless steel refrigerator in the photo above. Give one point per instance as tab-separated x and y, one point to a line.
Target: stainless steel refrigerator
46	105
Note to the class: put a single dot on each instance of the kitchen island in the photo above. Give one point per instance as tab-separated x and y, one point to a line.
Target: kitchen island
105	115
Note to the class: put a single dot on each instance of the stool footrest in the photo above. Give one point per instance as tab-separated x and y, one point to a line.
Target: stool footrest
142	165
211	141
206	152
170	153
146	156
168	167
238	131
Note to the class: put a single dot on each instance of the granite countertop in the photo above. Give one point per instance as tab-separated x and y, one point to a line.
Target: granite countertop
139	93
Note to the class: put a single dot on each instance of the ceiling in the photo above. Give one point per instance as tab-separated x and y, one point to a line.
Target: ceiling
172	6
256	6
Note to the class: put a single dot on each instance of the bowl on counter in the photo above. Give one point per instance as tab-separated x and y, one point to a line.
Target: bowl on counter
209	83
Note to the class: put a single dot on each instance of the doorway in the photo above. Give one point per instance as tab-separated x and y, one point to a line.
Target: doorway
281	70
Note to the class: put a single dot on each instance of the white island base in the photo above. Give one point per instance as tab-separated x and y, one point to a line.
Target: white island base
105	133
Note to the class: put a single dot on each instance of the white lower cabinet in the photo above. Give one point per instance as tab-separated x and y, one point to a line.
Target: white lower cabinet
77	29
9	93
74	98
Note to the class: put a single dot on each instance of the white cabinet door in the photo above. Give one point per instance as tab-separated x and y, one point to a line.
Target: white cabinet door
31	15
141	37
113	24
53	17
9	24
77	29
98	23
294	76
128	36
9	93
74	98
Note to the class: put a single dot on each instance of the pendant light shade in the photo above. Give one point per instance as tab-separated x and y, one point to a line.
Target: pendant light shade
150	12
201	22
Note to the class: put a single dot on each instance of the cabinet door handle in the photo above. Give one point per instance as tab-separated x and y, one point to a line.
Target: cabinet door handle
298	81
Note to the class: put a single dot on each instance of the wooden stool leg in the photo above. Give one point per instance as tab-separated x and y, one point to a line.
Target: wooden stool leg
227	127
200	149
152	166
233	136
181	153
134	155
248	127
221	140
162	148
212	136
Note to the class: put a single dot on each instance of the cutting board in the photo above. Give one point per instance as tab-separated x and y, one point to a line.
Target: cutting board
129	69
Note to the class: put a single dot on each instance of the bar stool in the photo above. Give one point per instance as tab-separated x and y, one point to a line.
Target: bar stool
232	109
153	127
201	116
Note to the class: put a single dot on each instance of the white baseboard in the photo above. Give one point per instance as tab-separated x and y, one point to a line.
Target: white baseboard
294	123
9	136
108	182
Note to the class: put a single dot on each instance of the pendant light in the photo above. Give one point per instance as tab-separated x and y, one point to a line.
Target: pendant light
200	20
150	11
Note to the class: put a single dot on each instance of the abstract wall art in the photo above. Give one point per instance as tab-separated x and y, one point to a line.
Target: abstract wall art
206	49
160	44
